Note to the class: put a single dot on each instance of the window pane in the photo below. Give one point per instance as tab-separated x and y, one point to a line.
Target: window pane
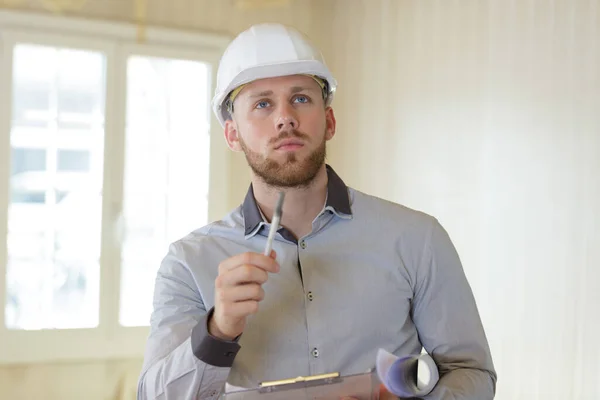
166	170
34	75
26	160
73	160
56	189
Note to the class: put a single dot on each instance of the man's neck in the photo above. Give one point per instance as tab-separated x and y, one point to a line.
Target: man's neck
301	205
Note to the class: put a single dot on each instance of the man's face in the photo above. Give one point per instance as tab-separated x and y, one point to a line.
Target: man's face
282	125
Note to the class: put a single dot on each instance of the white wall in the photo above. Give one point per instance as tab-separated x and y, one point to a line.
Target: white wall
486	114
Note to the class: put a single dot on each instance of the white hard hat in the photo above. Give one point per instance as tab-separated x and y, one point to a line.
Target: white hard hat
266	51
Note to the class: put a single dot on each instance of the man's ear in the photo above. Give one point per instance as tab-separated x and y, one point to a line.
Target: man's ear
330	123
231	135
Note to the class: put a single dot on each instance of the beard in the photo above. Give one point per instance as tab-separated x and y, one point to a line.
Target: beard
293	172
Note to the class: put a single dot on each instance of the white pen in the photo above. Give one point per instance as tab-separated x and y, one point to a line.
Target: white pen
274	223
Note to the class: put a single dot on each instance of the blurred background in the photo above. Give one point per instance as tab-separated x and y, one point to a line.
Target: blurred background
483	113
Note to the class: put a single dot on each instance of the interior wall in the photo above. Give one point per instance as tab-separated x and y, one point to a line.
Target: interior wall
486	114
101	380
82	380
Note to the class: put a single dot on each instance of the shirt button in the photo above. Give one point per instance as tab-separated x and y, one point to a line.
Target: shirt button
315	352
310	296
303	244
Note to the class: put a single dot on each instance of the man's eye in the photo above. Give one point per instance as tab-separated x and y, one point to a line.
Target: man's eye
262	104
301	99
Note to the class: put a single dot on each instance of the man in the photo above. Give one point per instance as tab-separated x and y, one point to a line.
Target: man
349	273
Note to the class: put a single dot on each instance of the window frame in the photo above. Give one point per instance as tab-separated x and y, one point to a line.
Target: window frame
116	41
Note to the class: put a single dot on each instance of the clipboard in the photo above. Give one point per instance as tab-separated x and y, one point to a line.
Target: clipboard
331	386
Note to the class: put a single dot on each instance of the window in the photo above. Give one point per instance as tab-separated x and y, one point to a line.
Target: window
56	143
165	191
108	159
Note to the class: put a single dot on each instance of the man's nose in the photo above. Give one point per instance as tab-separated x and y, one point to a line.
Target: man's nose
287	118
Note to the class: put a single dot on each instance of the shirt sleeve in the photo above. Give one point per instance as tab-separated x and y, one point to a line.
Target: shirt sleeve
448	323
182	360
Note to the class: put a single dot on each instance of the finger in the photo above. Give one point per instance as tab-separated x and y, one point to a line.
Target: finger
243	274
265	262
249	291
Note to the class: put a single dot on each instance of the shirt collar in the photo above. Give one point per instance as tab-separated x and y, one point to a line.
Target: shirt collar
338	201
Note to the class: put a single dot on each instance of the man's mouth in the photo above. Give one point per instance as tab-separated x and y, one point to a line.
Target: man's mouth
289	145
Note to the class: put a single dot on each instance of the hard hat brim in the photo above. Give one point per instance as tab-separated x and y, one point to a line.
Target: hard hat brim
301	67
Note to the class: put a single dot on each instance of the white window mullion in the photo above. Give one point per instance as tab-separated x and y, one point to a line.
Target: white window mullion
112	207
6	60
51	150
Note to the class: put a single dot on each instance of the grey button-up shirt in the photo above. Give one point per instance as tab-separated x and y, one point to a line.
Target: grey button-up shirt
372	274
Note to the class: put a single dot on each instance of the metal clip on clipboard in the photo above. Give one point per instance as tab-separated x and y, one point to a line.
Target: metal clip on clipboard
331	386
301	381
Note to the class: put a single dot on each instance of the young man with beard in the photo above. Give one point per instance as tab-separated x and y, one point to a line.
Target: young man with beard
349	273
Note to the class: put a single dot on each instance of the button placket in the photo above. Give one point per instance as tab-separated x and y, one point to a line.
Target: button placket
310	296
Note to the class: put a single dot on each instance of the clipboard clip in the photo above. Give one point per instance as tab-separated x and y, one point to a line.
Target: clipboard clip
300	381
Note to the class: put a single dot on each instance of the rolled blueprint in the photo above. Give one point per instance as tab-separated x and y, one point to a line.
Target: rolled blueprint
409	376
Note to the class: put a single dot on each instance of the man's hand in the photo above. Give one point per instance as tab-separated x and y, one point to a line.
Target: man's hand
238	290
